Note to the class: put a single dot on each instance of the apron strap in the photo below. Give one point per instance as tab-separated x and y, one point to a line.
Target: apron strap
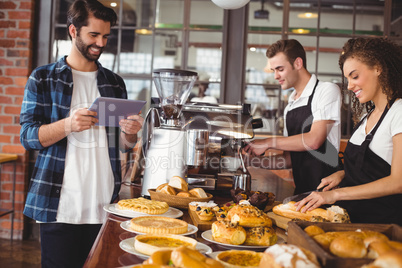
369	137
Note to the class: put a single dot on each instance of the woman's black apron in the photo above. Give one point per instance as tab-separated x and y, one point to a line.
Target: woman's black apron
309	167
362	166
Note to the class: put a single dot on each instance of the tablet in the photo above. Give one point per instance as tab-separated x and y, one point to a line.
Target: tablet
112	110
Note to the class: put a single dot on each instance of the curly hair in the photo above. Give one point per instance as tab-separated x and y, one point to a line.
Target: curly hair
374	52
80	10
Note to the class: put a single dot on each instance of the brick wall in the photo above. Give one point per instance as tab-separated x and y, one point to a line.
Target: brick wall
16	24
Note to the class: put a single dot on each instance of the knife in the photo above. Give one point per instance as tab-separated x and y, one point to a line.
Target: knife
299	197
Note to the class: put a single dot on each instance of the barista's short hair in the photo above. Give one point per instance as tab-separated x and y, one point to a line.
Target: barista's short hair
291	48
80	11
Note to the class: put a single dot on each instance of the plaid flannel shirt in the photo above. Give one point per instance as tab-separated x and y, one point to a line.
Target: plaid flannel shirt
47	99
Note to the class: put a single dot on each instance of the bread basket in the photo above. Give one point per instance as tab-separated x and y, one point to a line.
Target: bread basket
176	201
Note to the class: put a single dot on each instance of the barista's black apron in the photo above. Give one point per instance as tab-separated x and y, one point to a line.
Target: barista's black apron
309	167
362	166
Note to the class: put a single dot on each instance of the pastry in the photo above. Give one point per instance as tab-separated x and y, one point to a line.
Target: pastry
148	244
290	256
260	236
240	258
224	232
387	260
158	225
143	205
205	214
193	205
248	216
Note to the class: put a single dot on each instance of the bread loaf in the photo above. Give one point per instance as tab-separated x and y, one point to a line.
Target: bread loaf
313	230
198	192
183	194
331	214
167	189
223	232
178	183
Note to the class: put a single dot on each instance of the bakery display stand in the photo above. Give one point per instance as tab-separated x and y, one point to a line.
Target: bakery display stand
4	159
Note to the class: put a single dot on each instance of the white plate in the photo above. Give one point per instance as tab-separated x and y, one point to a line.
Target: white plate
171	213
128	246
126	226
207	235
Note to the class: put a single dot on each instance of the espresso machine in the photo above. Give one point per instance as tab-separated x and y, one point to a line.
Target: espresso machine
197	141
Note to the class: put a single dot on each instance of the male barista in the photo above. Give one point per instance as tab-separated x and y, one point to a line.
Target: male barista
312	121
77	170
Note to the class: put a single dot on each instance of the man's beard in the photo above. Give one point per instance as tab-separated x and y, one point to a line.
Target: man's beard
83	48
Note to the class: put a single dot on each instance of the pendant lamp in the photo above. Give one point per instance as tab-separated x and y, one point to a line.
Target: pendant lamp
230	4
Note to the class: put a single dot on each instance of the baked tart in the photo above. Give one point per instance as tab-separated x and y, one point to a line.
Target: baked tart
240	258
148	244
143	205
158	225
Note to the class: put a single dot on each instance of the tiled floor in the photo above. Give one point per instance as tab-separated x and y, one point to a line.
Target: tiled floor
18	254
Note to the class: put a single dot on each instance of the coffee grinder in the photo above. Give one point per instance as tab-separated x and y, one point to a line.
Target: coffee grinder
164	145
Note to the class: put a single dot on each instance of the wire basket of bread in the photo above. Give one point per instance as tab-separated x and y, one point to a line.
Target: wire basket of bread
176	193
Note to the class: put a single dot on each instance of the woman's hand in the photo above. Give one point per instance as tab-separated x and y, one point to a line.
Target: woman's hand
331	181
315	200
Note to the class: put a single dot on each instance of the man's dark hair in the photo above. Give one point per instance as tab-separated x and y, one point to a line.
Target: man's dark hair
80	11
291	48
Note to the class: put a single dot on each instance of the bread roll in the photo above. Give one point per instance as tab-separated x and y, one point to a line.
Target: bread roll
198	192
378	248
160	257
260	236
167	189
158	189
185	257
290	256
313	230
223	232
391	259
248	216
183	194
178	183
395	245
348	246
181	257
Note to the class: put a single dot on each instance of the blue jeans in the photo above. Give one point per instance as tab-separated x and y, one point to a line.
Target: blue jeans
66	245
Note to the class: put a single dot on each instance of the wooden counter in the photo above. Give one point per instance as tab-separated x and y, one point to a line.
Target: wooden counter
106	251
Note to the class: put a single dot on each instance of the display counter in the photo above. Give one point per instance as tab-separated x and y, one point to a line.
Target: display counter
106	251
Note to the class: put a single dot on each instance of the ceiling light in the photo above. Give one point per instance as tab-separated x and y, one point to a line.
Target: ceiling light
300	31
307	15
230	4
113	4
143	31
253	49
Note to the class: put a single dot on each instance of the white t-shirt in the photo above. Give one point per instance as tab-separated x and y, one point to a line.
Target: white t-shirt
382	144
88	178
326	105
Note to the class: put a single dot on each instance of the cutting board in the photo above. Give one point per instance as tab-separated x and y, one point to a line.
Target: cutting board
280	221
201	225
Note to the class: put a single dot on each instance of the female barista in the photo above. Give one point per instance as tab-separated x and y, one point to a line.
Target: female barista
370	186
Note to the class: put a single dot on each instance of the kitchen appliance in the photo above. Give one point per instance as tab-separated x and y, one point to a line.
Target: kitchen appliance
193	140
